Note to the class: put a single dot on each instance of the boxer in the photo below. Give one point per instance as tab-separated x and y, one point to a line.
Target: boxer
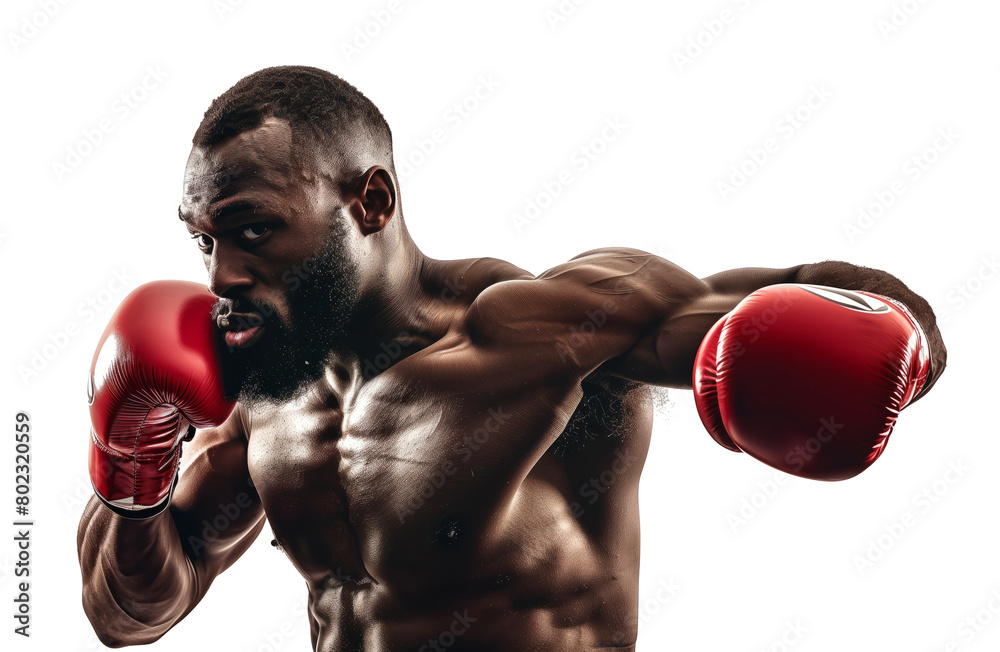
447	451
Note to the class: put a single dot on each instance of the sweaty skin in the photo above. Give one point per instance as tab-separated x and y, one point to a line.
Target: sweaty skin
464	474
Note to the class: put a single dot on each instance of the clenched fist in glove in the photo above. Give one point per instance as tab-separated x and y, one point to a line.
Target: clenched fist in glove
810	379
155	377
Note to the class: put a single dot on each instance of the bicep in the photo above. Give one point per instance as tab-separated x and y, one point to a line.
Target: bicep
215	506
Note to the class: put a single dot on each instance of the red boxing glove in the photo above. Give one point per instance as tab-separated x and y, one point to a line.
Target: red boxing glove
154	377
810	379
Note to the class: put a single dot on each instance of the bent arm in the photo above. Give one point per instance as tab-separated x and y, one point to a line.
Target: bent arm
141	577
137	581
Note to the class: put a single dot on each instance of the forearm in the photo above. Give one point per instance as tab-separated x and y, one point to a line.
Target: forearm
855	277
137	580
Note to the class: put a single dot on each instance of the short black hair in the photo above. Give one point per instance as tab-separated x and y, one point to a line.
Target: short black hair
316	103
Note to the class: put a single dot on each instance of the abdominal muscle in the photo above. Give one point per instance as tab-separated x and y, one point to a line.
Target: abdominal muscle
544	585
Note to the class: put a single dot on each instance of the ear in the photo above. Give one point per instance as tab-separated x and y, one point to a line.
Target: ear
374	200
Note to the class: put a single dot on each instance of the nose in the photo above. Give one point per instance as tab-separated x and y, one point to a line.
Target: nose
226	273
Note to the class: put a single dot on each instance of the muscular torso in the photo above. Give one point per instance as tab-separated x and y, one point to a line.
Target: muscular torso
461	499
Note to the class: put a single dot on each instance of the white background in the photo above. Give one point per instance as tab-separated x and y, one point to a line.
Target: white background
793	565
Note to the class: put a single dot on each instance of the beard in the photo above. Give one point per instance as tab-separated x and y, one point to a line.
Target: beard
290	357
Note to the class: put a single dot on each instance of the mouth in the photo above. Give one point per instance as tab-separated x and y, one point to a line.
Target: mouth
244	339
241	329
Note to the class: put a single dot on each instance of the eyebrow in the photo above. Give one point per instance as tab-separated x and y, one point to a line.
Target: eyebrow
220	214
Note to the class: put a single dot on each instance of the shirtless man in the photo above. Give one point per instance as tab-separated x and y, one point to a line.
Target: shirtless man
431	440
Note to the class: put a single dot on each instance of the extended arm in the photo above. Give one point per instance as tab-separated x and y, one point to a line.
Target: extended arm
807	379
657	314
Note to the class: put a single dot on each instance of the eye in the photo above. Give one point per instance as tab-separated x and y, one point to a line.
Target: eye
204	242
255	231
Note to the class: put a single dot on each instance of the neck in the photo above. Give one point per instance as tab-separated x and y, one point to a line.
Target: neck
397	307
